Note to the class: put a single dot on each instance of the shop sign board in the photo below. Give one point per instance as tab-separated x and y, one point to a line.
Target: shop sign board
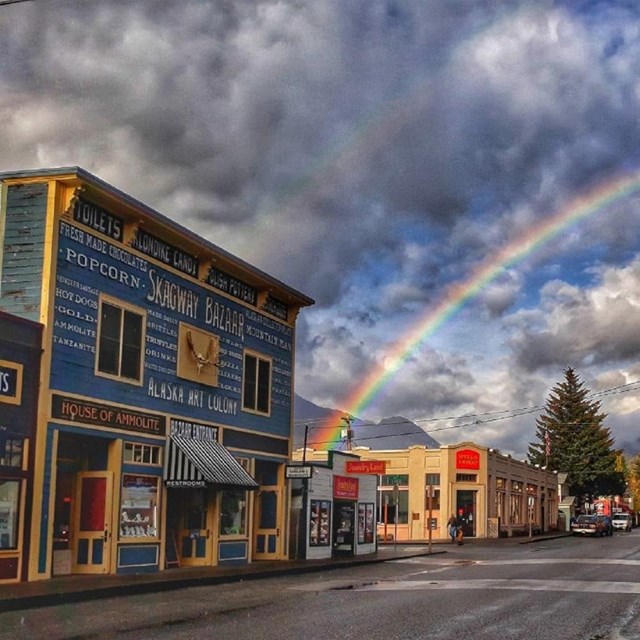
467	459
94	413
10	382
375	467
344	487
297	471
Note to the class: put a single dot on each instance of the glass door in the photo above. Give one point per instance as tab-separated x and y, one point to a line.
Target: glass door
466	511
92	523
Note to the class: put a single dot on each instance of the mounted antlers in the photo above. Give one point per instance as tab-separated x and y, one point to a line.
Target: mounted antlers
202	360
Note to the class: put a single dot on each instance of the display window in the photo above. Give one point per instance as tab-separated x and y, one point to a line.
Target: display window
320	519
139	507
233	513
9	503
365	523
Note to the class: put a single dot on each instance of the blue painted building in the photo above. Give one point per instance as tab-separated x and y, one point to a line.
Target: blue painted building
165	404
20	350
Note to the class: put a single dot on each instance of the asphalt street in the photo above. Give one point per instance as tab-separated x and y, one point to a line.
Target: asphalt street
562	589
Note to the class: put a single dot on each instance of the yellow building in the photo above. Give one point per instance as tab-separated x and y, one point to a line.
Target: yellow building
493	494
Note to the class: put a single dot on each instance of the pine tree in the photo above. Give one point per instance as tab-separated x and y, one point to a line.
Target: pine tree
571	438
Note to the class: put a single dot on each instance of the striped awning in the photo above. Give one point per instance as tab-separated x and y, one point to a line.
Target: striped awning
198	463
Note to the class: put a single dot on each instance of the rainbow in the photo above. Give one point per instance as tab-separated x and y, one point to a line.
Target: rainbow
596	199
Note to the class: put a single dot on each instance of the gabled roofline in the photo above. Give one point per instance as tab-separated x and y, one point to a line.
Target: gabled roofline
81	174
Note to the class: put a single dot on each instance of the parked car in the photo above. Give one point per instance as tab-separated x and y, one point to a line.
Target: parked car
606	524
587	525
621	521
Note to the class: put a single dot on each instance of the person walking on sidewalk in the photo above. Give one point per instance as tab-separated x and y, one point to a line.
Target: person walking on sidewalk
459	531
453	528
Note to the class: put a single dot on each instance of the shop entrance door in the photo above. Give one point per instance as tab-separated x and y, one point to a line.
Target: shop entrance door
195	538
267	515
466	510
344	522
92	522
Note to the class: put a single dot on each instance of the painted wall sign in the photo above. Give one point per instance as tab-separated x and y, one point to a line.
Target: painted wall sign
276	308
234	287
344	487
90	267
98	219
10	382
467	459
154	247
377	467
94	413
192	430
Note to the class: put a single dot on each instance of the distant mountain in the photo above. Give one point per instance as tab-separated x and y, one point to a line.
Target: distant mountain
390	433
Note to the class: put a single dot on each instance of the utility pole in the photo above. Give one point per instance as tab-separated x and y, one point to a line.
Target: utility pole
348	431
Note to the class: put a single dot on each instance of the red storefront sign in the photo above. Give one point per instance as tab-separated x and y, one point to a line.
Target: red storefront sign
344	487
467	459
377	467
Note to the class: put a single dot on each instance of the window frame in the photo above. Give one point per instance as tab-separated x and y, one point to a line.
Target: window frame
148	451
124	308
13	455
10	514
257	385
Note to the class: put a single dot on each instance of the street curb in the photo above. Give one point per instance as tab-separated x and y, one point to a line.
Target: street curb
53	599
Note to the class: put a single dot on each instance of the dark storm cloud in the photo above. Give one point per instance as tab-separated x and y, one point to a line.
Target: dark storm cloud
369	153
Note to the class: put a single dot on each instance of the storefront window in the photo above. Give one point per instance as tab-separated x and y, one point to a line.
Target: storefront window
516	509
139	512
365	523
9	501
387	507
320	518
233	513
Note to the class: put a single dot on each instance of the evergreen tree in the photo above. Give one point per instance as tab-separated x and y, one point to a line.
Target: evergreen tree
571	438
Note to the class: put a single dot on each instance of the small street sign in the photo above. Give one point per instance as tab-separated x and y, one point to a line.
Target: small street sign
297	471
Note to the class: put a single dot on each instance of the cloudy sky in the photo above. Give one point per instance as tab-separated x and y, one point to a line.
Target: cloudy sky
373	154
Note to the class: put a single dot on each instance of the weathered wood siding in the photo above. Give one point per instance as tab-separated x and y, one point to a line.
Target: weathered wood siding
23	249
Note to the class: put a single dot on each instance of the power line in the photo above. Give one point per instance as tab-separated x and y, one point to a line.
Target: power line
515	413
624	388
3	2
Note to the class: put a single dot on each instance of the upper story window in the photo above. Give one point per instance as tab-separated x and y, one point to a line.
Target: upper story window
501	483
120	341
466	477
433	479
516	486
256	390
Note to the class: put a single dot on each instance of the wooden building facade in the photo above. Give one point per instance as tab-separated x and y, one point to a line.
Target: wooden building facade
166	382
